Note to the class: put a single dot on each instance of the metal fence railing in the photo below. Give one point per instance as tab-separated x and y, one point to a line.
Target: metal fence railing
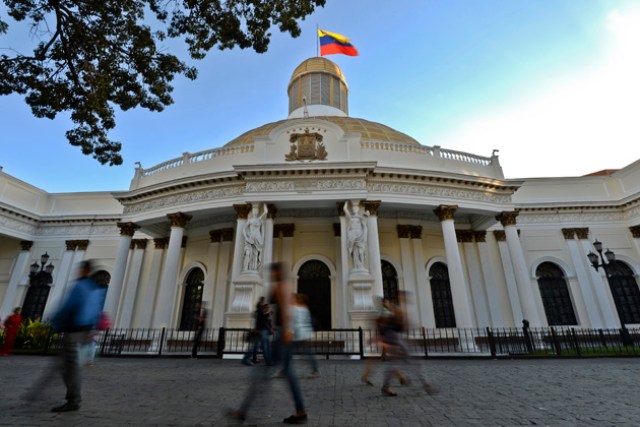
421	342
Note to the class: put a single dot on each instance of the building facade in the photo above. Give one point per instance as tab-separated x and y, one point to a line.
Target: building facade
356	209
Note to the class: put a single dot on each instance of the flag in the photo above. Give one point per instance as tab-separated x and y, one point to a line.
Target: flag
332	43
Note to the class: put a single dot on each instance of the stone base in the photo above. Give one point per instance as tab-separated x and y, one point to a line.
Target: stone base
245	291
360	287
238	320
363	319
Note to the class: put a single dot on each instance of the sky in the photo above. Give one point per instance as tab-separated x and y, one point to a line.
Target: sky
554	85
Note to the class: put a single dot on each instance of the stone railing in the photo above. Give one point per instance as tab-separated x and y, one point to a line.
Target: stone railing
435	151
189	158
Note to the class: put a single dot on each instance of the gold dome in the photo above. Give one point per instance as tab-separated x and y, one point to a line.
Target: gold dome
315	65
370	131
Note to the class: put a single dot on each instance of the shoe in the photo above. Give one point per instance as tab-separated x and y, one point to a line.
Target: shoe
429	389
67	407
246	362
404	381
387	391
237	415
296	419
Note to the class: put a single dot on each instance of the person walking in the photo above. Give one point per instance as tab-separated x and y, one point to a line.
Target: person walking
260	335
11	328
303	331
201	320
76	318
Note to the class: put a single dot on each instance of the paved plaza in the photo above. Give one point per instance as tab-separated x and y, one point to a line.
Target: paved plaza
197	392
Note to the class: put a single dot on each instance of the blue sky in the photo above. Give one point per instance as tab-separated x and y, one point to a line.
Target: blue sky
552	84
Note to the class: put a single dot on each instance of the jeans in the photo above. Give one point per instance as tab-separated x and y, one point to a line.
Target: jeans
71	370
264	341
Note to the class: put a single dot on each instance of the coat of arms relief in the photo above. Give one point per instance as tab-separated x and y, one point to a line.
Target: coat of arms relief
306	146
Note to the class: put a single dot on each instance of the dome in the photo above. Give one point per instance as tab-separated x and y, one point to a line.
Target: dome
318	88
370	131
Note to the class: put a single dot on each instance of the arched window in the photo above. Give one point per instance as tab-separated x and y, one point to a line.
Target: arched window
555	295
314	281
625	291
192	299
441	295
389	281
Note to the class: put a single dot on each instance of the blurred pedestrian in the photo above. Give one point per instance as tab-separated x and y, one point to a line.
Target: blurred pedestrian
11	328
76	318
303	332
260	335
201	320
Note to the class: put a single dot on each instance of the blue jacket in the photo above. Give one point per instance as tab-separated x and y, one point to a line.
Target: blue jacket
81	310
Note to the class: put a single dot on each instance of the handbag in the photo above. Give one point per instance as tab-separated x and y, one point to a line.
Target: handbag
104	322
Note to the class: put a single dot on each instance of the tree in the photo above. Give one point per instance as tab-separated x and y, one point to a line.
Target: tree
91	56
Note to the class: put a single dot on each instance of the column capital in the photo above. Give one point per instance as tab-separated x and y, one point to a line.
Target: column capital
139	244
445	212
372	206
71	245
215	236
464	236
416	232
161	242
480	236
500	235
635	231
179	219
582	233
227	234
508	218
25	245
287	229
404	231
272	210
127	228
340	208
337	231
568	233
82	245
242	210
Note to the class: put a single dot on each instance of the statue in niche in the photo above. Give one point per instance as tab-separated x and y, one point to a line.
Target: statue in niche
356	234
254	238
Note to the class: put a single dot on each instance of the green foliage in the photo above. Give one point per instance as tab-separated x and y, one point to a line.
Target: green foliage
32	335
93	56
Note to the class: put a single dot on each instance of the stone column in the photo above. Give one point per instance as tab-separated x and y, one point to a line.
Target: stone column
476	280
373	242
585	301
408	273
153	282
169	278
78	256
343	256
459	289
510	277
267	255
423	287
219	304
208	293
601	289
135	267
61	277
17	273
117	277
341	294
287	243
523	279
490	280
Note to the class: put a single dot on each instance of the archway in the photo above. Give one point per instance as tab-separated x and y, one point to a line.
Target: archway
314	281
625	291
555	295
389	281
441	294
192	299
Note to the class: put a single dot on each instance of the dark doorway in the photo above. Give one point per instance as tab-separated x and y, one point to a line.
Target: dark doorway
441	295
314	280
192	299
625	291
555	295
389	281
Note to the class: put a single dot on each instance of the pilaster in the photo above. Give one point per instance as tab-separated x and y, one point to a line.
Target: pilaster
17	273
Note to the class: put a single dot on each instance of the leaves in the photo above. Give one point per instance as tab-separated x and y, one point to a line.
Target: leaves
92	56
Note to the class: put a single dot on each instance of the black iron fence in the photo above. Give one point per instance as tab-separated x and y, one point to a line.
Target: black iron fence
421	342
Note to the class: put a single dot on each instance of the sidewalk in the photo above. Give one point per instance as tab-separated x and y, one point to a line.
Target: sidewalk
196	392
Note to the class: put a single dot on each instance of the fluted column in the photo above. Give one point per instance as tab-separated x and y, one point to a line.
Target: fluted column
341	284
459	293
509	276
373	239
490	280
60	280
131	290
267	256
287	243
17	273
219	304
117	277
78	256
476	280
169	277
523	280
588	310
153	283
423	287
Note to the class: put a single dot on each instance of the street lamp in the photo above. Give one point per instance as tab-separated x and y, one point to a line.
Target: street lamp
605	260
40	280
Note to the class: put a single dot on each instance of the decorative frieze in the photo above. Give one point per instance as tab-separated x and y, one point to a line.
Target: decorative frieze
179	219
480	236
508	218
445	212
432	191
174	200
161	242
464	236
127	228
25	245
635	231
500	235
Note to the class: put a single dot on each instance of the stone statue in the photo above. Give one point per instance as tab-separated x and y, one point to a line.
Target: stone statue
254	238
356	235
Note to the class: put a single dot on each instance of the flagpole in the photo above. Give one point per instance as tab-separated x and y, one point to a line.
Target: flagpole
317	40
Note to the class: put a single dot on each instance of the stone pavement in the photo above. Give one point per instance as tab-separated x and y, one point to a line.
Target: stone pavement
186	392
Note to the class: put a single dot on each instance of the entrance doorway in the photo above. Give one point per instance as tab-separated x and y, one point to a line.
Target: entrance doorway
314	280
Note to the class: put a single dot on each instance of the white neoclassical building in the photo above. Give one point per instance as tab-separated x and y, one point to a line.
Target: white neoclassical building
356	209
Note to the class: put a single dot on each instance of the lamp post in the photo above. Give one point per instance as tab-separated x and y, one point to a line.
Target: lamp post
605	260
40	280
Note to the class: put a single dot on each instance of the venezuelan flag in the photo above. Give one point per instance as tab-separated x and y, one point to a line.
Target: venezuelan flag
332	43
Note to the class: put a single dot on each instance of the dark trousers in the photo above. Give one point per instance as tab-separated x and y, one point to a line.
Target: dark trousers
196	342
71	369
